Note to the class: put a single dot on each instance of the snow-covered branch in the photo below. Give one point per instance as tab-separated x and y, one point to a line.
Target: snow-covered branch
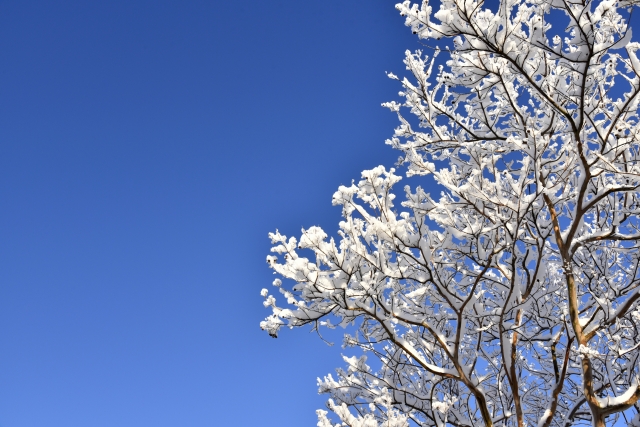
512	298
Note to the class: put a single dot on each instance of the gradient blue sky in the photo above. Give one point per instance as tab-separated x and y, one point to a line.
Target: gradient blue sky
146	150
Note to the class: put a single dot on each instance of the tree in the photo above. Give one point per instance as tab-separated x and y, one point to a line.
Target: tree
513	298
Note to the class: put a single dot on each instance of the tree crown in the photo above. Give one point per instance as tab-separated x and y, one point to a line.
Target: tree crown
512	298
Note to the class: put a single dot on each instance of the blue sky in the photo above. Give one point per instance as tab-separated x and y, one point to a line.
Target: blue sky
146	150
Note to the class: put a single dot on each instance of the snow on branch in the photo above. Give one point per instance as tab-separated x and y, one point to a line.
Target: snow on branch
511	297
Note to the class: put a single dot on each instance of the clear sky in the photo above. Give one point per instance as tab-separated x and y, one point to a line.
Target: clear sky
146	150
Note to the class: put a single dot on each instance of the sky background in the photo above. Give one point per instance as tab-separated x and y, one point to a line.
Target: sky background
146	150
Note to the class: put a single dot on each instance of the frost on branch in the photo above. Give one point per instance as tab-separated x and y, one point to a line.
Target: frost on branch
511	298
392	417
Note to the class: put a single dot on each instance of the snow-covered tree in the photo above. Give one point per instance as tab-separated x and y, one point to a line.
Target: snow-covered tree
513	297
